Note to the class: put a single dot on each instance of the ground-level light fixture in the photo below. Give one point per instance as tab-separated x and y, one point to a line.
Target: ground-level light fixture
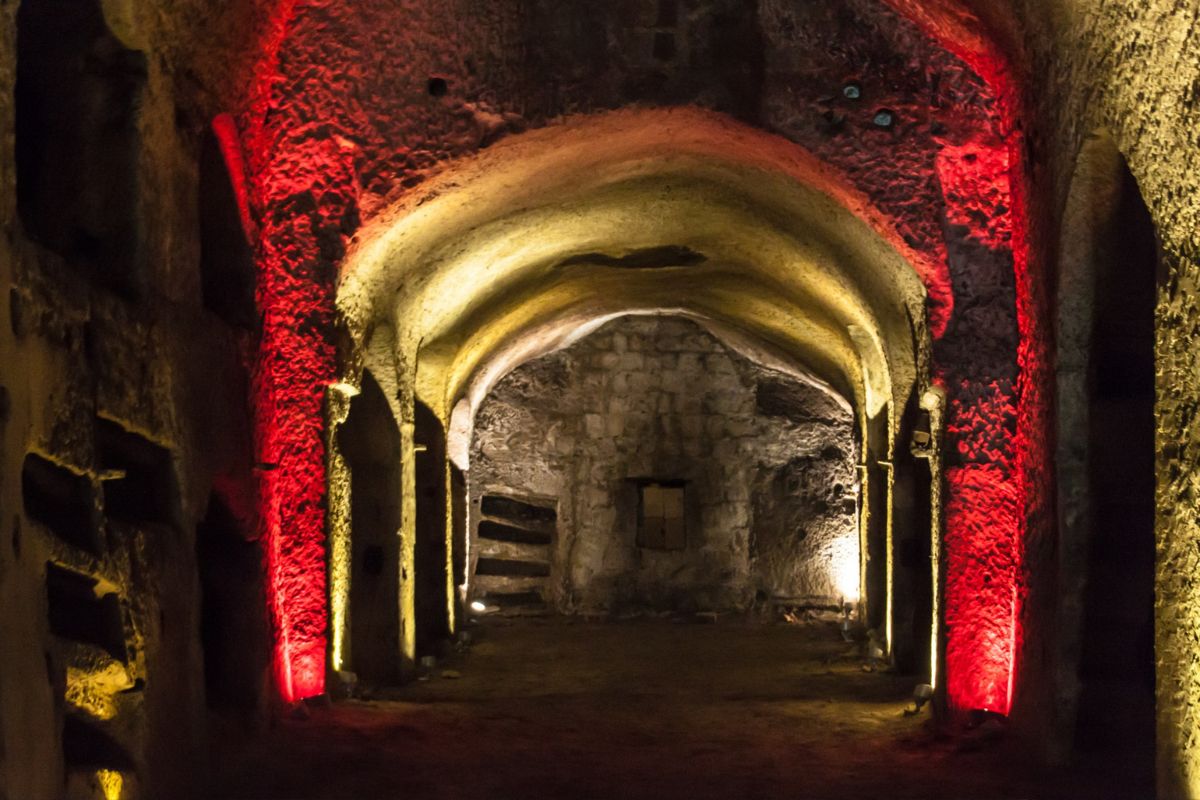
479	608
922	694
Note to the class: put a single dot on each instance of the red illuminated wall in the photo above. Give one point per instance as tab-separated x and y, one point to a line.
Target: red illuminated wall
984	516
342	121
992	496
303	192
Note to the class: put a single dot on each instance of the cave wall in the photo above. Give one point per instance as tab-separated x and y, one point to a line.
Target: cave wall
1127	66
1082	71
1131	69
893	115
122	405
1125	71
769	464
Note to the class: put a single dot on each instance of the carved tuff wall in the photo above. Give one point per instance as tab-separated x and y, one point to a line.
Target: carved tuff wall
767	465
938	117
892	116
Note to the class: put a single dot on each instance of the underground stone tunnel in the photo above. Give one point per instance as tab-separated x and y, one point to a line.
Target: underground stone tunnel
657	398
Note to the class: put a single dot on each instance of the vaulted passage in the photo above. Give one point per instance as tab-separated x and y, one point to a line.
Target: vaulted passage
560	398
681	477
644	709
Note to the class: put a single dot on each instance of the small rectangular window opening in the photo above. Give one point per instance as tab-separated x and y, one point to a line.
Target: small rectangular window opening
661	519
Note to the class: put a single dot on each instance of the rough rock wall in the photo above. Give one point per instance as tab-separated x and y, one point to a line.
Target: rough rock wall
1129	69
122	404
1128	66
769	464
354	106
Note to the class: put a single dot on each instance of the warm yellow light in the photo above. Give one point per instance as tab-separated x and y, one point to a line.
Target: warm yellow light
845	568
486	266
889	545
408	536
933	400
338	521
817	277
94	690
112	783
451	595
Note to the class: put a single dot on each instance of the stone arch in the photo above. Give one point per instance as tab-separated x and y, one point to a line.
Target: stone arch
1107	288
521	249
955	197
549	223
368	441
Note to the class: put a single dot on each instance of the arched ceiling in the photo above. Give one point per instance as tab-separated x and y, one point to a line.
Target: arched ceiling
506	254
565	330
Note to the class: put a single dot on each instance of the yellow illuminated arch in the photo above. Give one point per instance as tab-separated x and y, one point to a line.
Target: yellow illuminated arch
518	250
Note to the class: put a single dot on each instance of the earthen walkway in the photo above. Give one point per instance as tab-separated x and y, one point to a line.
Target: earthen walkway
643	709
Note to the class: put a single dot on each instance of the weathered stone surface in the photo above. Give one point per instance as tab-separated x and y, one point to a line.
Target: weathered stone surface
155	365
1129	67
765	502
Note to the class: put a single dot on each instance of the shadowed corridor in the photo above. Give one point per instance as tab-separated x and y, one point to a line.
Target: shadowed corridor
645	708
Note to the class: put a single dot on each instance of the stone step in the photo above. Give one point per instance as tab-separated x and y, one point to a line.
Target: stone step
485	585
512	568
519	513
502	532
514	600
489	548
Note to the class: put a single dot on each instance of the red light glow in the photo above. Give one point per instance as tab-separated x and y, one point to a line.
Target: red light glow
992	494
300	197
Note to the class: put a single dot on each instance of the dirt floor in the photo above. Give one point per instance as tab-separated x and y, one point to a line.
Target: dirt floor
650	709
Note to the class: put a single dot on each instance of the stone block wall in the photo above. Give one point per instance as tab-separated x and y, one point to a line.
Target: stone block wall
123	413
768	464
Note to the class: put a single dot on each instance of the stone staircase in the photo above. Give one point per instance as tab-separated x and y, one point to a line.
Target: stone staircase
514	540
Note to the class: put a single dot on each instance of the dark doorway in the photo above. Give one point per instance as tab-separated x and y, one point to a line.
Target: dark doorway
458	510
226	256
875	489
76	95
1116	671
912	611
234	630
370	442
432	609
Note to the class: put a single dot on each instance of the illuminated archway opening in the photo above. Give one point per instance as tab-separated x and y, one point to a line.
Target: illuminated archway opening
368	441
759	465
514	252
